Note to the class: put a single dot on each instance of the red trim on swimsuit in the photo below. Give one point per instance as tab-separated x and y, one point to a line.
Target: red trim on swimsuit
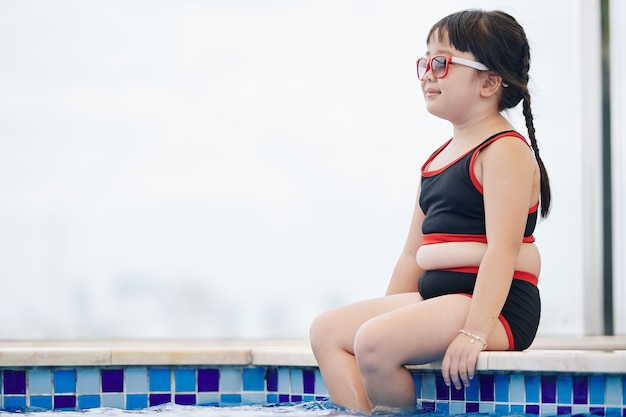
432	238
507	328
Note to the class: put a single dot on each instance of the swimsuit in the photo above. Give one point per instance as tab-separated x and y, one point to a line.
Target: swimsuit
452	201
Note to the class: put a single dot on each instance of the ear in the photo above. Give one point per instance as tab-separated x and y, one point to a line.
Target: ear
490	83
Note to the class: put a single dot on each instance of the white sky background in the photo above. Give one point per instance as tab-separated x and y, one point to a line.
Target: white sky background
211	169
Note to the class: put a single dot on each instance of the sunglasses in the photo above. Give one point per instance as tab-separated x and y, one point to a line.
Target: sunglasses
439	65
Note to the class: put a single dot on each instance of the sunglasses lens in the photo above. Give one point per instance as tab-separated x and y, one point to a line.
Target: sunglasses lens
438	65
422	63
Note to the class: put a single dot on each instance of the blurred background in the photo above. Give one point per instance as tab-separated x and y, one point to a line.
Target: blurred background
229	169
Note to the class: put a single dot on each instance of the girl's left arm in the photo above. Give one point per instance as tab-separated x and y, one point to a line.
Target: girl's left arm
507	172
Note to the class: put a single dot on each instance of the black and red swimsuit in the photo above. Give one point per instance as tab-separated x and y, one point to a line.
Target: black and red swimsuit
452	201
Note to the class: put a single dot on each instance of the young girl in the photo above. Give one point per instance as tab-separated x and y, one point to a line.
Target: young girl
466	280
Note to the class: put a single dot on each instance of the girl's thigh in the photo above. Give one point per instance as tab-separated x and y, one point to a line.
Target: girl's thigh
339	325
415	333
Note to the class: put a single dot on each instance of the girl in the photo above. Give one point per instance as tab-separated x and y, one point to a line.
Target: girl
466	280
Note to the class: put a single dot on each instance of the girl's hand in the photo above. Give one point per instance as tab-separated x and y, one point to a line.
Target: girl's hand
459	362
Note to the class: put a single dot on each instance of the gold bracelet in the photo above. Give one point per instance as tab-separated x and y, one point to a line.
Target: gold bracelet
474	337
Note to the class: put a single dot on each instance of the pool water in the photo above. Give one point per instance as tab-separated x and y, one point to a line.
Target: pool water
306	409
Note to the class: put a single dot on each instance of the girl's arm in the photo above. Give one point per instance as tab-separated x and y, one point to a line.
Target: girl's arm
406	272
508	173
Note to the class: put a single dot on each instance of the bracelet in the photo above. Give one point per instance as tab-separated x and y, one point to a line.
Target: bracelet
474	337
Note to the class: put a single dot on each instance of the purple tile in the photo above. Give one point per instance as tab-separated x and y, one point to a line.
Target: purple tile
64	401
532	409
564	409
158	399
548	389
271	379
443	391
112	380
283	398
596	411
428	406
457	394
308	380
486	387
185	399
208	380
472	407
580	389
14	382
296	398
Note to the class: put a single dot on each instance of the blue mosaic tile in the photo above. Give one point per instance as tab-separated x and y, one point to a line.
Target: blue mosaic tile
230	399
565	386
208	398
43	402
428	387
137	380
160	380
596	389
112	400
457	407
472	393
13	402
87	381
296	381
284	381
502	388
253	379
255	398
40	382
517	389
442	407
208	380
231	380
320	385
532	388
613	394
64	382
185	380
136	401
88	401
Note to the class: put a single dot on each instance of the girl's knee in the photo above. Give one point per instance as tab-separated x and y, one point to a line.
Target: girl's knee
370	349
320	330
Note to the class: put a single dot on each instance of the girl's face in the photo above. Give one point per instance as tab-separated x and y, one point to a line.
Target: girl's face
453	96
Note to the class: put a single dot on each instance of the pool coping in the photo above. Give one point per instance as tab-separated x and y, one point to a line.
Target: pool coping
594	354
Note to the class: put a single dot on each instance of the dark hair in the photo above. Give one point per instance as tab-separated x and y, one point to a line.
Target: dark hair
497	40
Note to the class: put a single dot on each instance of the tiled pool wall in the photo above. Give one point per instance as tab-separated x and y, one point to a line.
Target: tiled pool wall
138	387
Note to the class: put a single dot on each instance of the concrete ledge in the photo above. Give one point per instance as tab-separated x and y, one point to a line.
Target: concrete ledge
585	355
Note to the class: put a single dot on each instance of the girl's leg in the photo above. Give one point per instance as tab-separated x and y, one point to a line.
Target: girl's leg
414	334
332	339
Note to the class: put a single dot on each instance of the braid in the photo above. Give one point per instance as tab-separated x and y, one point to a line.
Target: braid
546	196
